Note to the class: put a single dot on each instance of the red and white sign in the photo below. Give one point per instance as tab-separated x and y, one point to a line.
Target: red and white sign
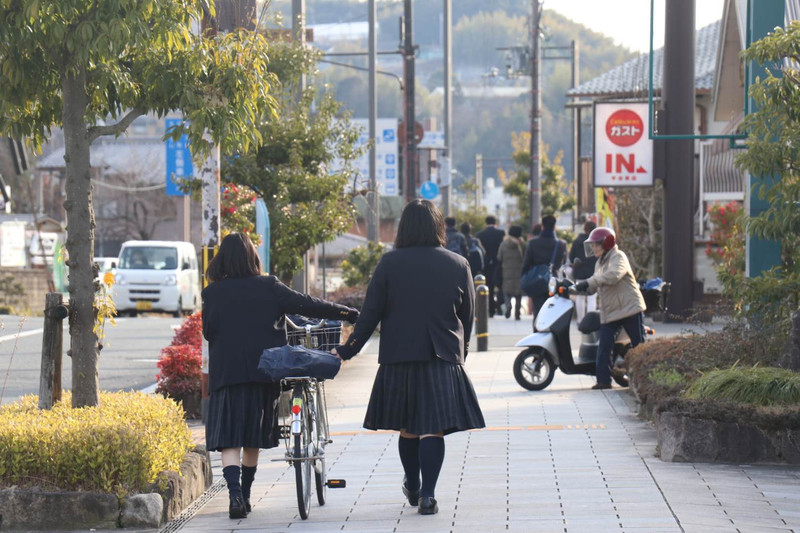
623	153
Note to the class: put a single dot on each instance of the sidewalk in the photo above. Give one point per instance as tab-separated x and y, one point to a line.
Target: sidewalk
565	459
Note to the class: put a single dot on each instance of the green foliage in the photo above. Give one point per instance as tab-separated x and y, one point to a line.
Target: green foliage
360	263
756	386
118	447
237	207
11	293
476	217
291	172
557	197
773	154
666	377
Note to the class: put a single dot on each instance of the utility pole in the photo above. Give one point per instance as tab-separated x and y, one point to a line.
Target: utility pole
300	281
373	197
410	159
678	92
478	180
576	127
536	118
445	179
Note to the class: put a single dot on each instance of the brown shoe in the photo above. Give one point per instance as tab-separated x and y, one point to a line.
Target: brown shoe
601	386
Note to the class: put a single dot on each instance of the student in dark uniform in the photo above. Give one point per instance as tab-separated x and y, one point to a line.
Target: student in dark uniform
491	237
422	295
242	315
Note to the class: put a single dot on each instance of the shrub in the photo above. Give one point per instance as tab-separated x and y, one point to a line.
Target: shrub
190	332
360	263
349	296
11	294
181	370
118	447
763	386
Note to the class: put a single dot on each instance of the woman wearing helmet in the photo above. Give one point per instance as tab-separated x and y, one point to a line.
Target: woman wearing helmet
621	302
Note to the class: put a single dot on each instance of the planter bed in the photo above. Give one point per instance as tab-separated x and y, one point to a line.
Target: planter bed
34	509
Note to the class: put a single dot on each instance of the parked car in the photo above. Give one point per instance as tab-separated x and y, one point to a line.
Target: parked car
157	276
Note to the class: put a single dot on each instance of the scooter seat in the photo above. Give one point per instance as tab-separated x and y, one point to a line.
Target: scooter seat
590	322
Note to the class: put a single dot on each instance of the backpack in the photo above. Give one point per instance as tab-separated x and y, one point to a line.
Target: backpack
454	241
475	257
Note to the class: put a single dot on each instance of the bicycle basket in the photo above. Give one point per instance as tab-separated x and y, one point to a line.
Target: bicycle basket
325	338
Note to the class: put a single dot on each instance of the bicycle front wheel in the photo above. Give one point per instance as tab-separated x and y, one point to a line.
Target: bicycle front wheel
300	451
320	439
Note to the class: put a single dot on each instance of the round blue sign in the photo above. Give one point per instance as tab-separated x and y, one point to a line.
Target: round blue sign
429	190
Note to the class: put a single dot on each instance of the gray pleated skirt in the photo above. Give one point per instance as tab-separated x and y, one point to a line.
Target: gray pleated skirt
423	398
243	416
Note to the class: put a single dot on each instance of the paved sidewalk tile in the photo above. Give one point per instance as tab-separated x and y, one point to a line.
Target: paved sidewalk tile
566	460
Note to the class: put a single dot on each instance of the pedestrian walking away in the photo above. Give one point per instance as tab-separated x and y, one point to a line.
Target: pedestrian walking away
242	315
421	388
510	257
491	237
582	269
455	241
621	301
542	250
475	254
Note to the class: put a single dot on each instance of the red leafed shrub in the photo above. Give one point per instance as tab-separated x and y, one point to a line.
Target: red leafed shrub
190	332
180	367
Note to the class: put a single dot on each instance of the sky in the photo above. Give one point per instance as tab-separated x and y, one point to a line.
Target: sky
628	21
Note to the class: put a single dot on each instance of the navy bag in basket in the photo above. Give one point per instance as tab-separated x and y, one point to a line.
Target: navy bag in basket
298	361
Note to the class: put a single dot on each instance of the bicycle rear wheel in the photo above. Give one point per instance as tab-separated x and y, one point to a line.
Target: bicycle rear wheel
300	451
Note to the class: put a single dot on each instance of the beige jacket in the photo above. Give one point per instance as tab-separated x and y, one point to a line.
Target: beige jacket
619	293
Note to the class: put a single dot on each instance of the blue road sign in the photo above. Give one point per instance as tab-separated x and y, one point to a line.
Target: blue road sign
429	190
179	160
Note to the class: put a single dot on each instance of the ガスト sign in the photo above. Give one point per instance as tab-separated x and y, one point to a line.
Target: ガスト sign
623	154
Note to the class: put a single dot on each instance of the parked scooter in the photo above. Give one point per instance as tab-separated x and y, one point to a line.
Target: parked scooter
549	346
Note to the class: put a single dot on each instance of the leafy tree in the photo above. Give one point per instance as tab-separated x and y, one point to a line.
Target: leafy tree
293	170
773	152
360	263
94	67
556	191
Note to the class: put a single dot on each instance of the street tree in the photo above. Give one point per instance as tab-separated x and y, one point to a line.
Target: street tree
92	68
303	169
556	195
773	154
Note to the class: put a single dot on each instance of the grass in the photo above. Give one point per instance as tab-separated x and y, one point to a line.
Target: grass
760	386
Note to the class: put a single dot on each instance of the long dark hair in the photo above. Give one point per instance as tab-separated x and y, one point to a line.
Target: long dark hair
236	258
421	224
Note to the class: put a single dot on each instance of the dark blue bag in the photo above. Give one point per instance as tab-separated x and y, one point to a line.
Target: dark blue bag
534	282
298	361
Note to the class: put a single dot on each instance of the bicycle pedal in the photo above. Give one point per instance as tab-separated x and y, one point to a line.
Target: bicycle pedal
336	483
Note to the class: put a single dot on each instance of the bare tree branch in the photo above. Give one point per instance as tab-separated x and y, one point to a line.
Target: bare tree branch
117	128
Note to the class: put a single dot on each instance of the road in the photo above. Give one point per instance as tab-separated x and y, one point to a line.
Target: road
127	361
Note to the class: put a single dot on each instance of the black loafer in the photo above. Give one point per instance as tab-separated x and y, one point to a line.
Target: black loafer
412	495
600	386
428	505
237	508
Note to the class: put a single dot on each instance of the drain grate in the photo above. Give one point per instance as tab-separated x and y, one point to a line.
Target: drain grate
179	521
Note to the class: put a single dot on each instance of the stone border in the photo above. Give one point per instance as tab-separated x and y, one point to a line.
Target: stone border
36	509
685	439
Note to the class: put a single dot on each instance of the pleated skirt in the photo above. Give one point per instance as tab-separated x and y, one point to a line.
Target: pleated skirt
243	416
423	398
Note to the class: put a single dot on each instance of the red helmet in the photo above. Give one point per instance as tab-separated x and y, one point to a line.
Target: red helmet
605	236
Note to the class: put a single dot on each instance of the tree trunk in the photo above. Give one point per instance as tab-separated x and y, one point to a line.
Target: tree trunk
80	242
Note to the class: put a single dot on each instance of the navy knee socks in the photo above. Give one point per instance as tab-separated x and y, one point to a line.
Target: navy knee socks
431	457
248	475
409	456
231	475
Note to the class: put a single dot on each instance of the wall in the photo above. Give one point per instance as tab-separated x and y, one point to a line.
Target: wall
35	283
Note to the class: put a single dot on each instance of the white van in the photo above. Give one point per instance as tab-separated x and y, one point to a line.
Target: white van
157	276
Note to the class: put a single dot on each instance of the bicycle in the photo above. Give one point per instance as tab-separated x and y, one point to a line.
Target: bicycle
306	434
